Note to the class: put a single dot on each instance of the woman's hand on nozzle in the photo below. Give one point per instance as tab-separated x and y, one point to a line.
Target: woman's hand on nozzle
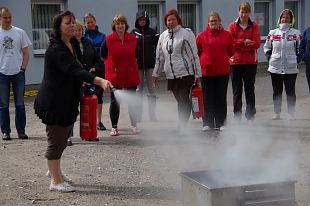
106	85
103	83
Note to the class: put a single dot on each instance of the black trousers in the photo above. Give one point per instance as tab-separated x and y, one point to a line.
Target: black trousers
244	75
289	81
115	106
215	100
180	88
308	75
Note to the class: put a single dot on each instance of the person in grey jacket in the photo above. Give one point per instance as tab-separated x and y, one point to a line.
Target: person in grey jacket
177	55
281	48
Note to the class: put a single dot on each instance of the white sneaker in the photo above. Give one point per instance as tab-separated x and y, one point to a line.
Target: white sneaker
206	128
222	128
62	187
276	117
291	116
64	176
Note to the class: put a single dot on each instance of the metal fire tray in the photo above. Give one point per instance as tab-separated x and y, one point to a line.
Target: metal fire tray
236	188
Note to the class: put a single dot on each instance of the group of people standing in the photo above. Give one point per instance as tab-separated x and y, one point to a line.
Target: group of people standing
80	53
234	52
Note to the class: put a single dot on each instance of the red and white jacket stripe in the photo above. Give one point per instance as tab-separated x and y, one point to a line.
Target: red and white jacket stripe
284	45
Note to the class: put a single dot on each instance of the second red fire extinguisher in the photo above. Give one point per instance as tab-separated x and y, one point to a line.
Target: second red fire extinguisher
197	101
88	115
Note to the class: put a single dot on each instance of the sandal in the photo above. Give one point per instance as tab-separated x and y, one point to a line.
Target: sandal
114	132
135	130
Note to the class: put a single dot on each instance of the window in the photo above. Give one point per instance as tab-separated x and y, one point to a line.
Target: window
262	16
154	12
42	17
188	14
293	5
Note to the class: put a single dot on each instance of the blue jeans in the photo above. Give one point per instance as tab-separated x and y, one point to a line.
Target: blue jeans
18	84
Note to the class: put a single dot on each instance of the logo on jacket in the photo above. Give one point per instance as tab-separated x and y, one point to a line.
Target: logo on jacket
291	37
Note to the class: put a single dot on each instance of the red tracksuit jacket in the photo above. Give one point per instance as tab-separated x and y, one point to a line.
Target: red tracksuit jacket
245	54
215	47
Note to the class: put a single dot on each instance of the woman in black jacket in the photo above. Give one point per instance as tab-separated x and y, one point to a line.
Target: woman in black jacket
147	39
86	54
58	99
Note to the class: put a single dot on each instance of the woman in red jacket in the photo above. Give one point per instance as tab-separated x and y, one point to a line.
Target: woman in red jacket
215	47
121	69
244	62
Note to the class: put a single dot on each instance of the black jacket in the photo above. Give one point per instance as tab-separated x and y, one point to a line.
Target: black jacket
147	39
59	94
88	57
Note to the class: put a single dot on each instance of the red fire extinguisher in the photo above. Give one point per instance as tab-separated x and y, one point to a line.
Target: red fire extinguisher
88	115
197	101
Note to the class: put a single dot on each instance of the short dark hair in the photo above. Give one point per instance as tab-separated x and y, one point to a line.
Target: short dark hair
57	23
175	13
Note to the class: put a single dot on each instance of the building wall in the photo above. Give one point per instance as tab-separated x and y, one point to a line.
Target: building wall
106	10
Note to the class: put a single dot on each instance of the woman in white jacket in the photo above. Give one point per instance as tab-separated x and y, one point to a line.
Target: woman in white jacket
281	48
176	54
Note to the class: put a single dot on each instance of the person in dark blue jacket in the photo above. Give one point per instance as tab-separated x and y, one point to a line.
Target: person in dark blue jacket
97	39
147	39
304	52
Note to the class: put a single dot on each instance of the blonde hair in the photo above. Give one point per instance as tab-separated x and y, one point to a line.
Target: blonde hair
119	18
79	24
245	6
215	14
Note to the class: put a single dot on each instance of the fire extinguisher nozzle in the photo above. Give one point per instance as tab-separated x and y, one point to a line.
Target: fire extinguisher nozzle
113	89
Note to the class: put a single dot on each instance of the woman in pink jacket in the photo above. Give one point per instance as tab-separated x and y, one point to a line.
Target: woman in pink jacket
215	47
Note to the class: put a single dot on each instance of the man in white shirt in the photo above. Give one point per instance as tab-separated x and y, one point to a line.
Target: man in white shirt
14	57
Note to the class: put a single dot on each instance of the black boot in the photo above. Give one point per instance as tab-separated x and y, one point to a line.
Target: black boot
152	107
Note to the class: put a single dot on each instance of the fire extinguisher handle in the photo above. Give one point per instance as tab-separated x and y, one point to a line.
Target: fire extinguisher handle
197	81
196	85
